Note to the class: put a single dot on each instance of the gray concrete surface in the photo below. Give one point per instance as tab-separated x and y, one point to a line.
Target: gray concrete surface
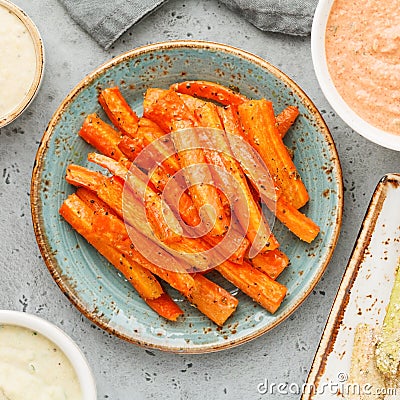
124	371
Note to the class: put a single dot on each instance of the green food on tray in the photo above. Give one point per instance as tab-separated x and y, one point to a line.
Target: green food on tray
388	348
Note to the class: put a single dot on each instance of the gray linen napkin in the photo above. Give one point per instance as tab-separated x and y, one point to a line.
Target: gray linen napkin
106	21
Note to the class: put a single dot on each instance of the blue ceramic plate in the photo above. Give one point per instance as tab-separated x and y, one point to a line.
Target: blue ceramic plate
93	285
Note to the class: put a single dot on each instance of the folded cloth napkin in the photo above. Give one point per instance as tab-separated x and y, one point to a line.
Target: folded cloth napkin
106	21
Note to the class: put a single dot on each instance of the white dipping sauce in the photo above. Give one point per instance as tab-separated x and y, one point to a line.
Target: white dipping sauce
32	367
17	61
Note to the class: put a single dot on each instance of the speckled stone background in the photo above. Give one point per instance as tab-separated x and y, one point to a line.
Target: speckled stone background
124	371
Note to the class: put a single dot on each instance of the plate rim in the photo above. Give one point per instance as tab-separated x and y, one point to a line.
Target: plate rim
36	208
336	313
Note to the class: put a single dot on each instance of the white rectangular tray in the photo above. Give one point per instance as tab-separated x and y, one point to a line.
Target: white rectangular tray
363	293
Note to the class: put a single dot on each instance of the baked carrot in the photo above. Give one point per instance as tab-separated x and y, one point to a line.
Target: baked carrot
167	110
246	209
162	304
191	102
82	177
211	91
151	96
159	147
81	218
285	119
166	307
159	177
119	111
111	191
162	219
230	121
271	263
235	248
208	117
212	300
258	120
298	223
118	236
176	197
204	195
259	286
102	137
90	198
130	148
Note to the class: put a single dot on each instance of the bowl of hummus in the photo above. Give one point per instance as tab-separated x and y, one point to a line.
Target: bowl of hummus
356	55
21	61
42	357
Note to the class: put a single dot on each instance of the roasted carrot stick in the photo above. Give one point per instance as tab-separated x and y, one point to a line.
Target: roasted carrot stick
212	300
294	220
130	148
204	195
82	177
161	217
211	91
187	209
259	286
208	117
111	191
191	102
151	96
246	209
167	110
112	228
119	111
238	244
271	263
90	198
159	147
81	218
258	120
108	141
102	137
165	307
230	121
285	119
298	223
163	304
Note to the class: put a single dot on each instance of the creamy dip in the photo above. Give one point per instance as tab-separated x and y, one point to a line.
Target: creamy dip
33	367
363	56
17	61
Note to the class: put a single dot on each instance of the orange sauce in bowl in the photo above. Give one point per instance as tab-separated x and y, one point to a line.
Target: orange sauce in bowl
362	45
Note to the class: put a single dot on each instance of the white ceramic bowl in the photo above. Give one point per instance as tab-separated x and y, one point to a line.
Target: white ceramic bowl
39	52
62	340
365	129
